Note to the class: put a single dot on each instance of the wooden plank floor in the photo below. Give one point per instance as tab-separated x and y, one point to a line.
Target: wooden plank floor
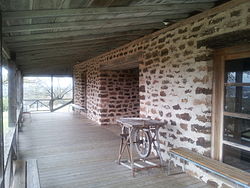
74	152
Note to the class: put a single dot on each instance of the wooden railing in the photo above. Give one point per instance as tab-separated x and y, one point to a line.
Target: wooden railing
10	150
44	104
39	103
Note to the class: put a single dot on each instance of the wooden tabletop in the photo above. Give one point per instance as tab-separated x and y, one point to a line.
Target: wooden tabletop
140	122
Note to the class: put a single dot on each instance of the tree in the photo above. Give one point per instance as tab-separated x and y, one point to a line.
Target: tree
40	88
58	93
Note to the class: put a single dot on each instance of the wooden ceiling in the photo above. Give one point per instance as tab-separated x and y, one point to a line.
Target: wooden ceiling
49	36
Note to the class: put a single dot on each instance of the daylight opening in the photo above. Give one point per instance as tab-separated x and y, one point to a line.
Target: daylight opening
47	93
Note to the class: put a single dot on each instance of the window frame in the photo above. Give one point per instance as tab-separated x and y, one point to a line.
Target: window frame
220	57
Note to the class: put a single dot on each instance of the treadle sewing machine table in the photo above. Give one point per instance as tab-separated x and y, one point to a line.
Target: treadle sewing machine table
141	133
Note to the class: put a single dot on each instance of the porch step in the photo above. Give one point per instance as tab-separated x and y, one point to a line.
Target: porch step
26	174
32	174
19	180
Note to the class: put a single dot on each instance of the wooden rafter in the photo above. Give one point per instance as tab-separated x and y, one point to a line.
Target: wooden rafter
85	39
87	33
92	24
103	11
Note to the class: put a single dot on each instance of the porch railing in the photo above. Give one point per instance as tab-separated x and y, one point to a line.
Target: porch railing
10	150
44	104
11	140
38	104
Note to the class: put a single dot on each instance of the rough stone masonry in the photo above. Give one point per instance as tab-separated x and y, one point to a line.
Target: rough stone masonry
173	82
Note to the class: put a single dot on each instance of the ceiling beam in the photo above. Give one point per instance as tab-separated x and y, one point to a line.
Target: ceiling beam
31	54
47	64
149	2
43	58
62	71
70	45
84	38
73	52
91	24
87	33
47	67
51	60
107	10
62	68
83	47
78	56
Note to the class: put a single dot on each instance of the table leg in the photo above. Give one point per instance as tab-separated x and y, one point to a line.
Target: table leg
122	148
131	150
129	155
120	151
158	145
169	164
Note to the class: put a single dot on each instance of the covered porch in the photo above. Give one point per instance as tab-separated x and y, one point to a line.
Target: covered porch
73	151
184	64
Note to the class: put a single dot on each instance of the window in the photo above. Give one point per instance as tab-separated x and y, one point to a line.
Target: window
231	107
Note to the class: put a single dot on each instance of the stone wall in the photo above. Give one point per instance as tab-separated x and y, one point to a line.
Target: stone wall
119	95
109	94
176	82
80	88
175	77
90	99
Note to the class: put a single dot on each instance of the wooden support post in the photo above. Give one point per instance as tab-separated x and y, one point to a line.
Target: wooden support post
73	89
52	95
19	88
1	113
12	93
1	131
21	92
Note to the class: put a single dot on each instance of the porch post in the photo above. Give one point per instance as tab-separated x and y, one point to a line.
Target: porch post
52	95
19	88
1	130
1	112
12	92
